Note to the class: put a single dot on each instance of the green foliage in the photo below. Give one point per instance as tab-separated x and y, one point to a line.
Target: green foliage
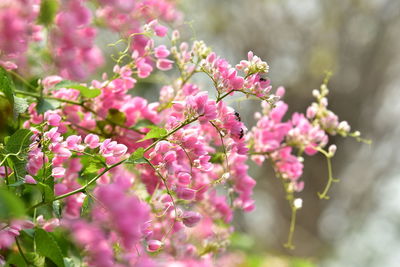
48	11
85	91
116	116
44	105
6	85
86	205
217	158
16	149
154	133
137	156
10	205
19	141
47	246
47	192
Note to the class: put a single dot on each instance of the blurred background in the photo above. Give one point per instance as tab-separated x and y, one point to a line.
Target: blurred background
359	41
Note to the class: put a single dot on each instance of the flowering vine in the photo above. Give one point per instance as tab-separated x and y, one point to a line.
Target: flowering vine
107	178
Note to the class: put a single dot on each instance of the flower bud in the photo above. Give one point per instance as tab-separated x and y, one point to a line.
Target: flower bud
154	245
332	150
29	180
298	203
191	218
316	93
311	112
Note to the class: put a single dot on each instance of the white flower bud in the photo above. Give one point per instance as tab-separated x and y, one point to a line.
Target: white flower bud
344	126
298	203
332	150
316	93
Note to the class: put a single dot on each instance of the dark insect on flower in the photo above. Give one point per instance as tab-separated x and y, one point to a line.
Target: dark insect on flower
38	140
263	79
238	116
241	134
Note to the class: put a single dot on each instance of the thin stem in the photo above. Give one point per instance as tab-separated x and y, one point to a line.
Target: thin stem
225	95
169	193
6	173
223	145
289	243
171	132
324	194
22	253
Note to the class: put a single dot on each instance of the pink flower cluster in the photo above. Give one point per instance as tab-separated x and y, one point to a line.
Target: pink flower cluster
279	141
17	29
150	184
71	41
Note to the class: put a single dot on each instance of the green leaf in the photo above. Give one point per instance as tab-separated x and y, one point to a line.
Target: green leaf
85	91
93	167
154	133
46	104
10	205
15	260
64	84
47	192
87	203
20	105
116	116
48	11
18	143
47	246
18	183
6	85
137	157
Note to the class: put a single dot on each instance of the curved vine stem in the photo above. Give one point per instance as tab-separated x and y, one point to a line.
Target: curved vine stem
324	194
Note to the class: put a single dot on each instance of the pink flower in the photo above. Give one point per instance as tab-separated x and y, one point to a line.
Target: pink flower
144	69
53	119
161	51
50	81
119	150
164	64
58	172
3	171
92	140
29	179
186	193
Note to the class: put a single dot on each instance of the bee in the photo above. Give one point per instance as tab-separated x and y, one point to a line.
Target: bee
38	140
241	134
37	143
238	116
